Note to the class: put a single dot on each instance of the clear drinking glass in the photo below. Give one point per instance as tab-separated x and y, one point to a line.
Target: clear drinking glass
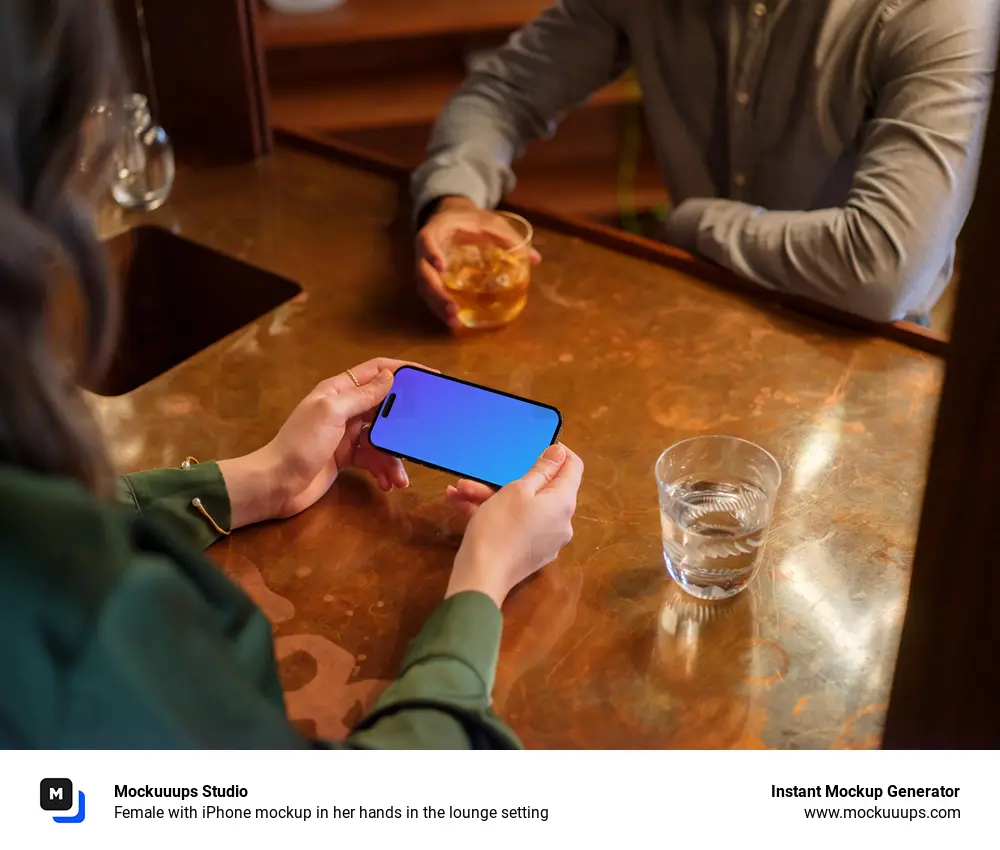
716	499
143	160
488	275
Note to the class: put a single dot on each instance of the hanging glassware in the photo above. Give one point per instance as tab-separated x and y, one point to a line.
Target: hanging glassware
144	166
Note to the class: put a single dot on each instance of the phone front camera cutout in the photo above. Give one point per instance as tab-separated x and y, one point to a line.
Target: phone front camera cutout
387	407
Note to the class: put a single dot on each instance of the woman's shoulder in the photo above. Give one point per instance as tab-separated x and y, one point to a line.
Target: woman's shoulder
108	622
57	538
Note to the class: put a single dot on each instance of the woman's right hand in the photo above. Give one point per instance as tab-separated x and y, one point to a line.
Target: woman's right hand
518	530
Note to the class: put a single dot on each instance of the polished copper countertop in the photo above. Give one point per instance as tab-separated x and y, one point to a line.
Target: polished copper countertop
601	650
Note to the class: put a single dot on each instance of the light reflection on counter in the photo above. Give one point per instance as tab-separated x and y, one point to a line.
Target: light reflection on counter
819	449
828	607
115	417
816	586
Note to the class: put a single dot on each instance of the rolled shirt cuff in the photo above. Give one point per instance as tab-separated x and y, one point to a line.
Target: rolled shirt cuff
684	223
434	180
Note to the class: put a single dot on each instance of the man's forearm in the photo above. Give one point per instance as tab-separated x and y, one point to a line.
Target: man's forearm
812	254
516	95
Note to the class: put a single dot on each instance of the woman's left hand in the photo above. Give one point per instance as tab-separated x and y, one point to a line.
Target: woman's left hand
325	434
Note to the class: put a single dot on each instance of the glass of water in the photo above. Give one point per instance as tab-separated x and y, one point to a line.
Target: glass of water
716	499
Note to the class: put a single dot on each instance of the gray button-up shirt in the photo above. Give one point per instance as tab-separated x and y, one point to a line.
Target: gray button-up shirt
827	148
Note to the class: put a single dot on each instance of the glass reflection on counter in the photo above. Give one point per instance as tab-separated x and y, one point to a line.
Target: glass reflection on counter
701	660
701	639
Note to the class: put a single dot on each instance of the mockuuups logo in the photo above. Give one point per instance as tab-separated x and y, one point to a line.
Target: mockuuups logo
56	795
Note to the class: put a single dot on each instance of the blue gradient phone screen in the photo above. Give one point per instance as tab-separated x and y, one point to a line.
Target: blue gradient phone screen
468	430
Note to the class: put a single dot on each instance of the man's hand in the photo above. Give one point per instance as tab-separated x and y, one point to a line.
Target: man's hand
456	218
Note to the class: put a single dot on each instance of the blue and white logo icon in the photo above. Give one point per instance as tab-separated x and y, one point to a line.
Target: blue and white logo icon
56	795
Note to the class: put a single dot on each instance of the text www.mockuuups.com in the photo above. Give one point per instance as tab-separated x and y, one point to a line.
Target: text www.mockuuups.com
879	813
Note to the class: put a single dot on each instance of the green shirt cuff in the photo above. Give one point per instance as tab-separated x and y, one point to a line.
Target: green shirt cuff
442	697
167	495
465	627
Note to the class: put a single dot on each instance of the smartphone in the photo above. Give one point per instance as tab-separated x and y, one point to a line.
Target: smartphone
468	430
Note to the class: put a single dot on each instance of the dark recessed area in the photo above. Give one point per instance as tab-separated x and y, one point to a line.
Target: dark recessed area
179	297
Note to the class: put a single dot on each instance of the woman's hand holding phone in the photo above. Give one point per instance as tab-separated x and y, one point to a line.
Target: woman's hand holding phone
322	437
512	533
517	530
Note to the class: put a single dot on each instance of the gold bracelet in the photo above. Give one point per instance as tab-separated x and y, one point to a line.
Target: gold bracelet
196	503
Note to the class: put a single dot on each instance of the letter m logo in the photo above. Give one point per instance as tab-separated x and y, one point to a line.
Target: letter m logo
56	795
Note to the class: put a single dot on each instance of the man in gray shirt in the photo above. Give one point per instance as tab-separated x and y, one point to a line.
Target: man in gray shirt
826	148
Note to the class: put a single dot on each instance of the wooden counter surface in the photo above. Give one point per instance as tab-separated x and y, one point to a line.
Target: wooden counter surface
601	650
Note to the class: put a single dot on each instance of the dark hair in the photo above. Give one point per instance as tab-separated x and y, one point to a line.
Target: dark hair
58	60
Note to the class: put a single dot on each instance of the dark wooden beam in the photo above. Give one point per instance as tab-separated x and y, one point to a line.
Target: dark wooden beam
201	64
946	691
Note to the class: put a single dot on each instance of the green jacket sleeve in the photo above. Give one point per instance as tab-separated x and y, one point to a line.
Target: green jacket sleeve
441	699
123	637
167	495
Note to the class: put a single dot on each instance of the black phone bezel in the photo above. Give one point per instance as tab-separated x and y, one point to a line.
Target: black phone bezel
427	464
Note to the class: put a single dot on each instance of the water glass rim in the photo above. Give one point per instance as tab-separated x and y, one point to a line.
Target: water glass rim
708	437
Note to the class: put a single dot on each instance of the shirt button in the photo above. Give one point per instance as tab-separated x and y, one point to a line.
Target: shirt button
742	98
740	180
759	9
